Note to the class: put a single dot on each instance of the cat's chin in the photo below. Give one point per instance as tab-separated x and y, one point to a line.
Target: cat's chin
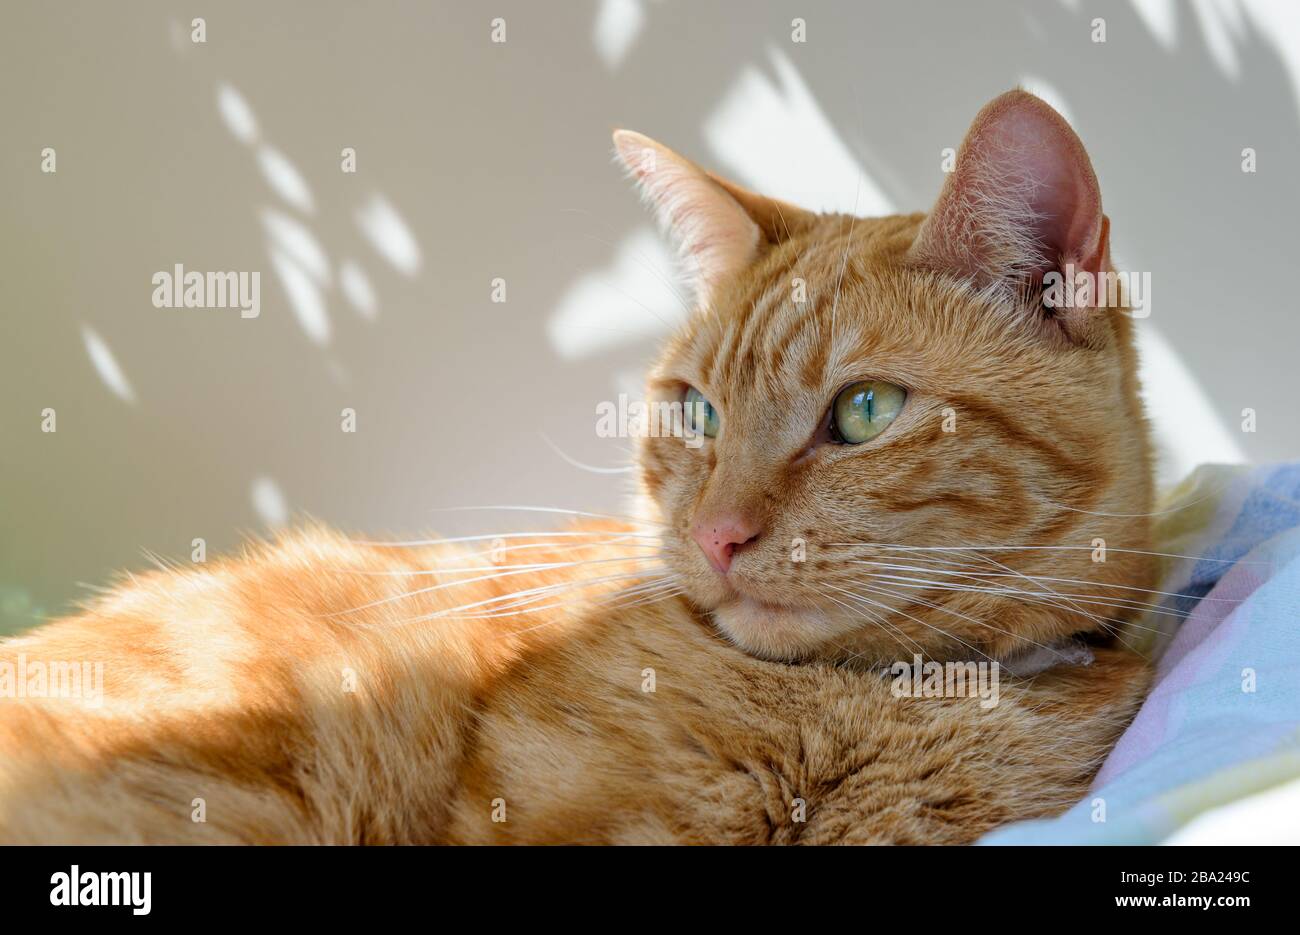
770	631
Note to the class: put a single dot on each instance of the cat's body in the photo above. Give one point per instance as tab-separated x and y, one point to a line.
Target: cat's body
237	689
904	454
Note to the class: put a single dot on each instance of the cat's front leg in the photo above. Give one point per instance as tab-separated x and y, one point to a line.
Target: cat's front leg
951	770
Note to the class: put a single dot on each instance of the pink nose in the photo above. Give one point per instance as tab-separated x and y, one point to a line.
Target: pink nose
720	535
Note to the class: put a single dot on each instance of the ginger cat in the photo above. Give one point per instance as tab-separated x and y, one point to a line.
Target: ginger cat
900	451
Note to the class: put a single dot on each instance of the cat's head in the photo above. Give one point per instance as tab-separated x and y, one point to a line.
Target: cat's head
906	449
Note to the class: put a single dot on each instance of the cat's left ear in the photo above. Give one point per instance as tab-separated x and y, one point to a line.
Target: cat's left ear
1021	202
719	227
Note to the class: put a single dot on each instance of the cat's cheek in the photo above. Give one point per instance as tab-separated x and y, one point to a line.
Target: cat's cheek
672	475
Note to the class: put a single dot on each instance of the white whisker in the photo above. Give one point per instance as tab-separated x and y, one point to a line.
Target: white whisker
1042	548
424	543
631	520
892	610
948	610
1082	581
530	566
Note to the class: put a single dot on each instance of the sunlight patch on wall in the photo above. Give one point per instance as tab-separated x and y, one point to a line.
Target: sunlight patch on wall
1161	17
286	180
614	32
628	302
106	365
775	139
389	235
304	297
299	243
1223	26
358	291
1188	431
1279	23
237	114
269	502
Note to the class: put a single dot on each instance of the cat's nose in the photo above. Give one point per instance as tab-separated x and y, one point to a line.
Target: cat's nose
720	535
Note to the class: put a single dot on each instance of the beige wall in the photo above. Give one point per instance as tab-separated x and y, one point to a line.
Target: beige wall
493	161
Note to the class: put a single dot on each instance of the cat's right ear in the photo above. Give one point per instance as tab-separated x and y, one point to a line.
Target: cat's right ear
718	226
1021	201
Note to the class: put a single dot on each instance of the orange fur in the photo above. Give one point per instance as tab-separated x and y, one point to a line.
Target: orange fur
318	690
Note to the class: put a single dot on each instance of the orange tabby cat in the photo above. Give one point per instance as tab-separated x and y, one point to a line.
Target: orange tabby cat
884	416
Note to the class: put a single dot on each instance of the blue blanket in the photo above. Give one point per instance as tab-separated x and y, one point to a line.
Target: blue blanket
1214	754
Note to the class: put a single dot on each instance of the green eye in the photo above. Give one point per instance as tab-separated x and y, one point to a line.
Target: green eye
700	414
864	410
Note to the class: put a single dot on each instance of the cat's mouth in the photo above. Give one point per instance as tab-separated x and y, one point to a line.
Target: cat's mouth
773	631
756	603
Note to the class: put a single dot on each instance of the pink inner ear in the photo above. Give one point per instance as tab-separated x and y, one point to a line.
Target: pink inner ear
1043	157
1022	200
